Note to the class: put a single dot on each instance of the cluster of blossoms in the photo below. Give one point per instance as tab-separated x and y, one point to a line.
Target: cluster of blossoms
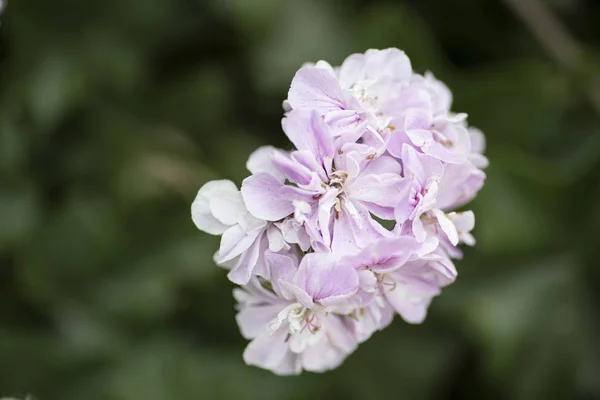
306	239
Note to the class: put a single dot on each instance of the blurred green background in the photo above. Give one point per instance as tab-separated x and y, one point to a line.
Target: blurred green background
113	113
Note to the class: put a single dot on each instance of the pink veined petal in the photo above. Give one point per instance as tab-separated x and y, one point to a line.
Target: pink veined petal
405	206
365	229
418	126
430	244
382	165
307	131
385	213
383	190
260	161
376	316
342	121
292	170
270	352
421	166
308	160
404	100
253	320
410	297
397	251
398	138
441	271
383	255
443	153
317	89
325	206
459	185
235	241
292	292
282	267
262	195
343	240
322	356
246	265
339	333
326	280
261	268
295	233
412	311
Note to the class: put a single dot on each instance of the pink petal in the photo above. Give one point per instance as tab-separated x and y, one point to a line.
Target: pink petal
317	89
271	352
246	265
326	280
383	190
307	131
261	162
235	241
262	195
253	321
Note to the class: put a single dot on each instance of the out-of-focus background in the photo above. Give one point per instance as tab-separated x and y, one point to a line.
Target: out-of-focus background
113	113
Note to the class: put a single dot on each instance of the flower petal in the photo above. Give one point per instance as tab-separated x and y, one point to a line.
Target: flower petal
271	352
307	131
326	280
261	161
317	89
203	216
262	195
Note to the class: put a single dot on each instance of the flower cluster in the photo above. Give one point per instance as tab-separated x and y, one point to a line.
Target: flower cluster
306	237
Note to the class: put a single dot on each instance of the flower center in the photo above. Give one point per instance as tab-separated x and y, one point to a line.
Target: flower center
360	90
299	318
337	180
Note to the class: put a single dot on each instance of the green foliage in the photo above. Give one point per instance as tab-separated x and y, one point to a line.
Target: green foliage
113	114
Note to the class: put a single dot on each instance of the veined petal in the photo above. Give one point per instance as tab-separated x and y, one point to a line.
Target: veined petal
421	166
326	280
292	292
248	262
324	212
262	195
253	320
235	241
317	89
307	131
261	161
292	170
384	190
271	352
283	268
